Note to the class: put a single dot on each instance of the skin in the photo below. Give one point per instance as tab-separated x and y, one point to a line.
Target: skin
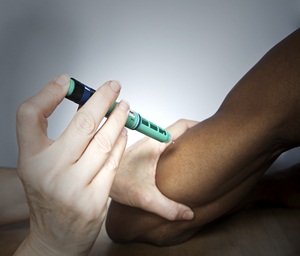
67	181
63	185
141	190
41	187
12	197
217	166
140	187
259	114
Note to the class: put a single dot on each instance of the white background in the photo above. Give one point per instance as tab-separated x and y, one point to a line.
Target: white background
175	59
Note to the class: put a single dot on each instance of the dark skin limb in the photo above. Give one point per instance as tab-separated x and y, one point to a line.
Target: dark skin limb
215	166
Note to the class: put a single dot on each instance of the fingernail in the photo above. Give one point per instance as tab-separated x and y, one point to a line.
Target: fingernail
188	215
63	79
124	105
115	85
124	131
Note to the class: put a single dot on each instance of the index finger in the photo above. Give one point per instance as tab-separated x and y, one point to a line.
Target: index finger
86	121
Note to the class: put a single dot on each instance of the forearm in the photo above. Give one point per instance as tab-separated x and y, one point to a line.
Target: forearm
12	197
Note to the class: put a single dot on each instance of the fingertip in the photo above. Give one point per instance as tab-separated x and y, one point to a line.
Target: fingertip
124	105
188	215
124	132
115	85
62	80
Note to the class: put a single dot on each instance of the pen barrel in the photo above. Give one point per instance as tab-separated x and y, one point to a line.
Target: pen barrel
80	93
133	120
141	124
152	130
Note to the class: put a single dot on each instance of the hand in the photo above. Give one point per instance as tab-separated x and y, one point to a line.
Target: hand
134	184
67	181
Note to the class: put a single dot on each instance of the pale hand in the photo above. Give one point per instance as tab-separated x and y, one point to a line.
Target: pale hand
134	184
67	181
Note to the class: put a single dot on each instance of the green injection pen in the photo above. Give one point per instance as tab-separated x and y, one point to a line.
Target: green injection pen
80	93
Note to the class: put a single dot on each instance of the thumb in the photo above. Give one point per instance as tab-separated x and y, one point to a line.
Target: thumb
180	127
33	113
168	209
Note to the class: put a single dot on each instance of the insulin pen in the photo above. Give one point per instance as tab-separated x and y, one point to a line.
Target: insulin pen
80	93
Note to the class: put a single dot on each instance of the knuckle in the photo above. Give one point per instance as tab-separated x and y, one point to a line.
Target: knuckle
172	214
103	143
85	123
112	163
53	92
26	112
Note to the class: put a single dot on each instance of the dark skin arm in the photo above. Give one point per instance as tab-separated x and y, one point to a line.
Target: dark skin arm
214	166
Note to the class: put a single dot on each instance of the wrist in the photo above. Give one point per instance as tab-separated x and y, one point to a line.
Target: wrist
34	248
37	246
117	189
